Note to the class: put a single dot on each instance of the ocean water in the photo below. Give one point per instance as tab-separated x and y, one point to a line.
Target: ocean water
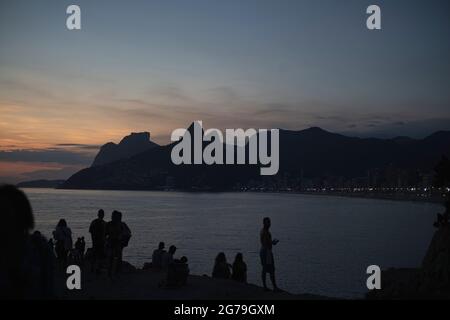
326	243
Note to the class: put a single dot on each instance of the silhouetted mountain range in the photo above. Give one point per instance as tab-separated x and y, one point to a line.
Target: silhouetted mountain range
308	153
40	184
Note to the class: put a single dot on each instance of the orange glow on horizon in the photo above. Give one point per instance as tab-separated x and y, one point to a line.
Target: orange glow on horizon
29	127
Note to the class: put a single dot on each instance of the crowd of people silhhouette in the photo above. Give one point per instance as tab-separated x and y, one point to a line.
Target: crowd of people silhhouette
177	270
108	241
30	261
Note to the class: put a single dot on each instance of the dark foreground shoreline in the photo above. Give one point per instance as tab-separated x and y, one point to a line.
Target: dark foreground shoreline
139	284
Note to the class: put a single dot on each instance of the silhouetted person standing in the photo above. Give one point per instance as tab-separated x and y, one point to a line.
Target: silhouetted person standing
117	237
221	267
27	263
97	229
239	269
158	255
266	254
63	237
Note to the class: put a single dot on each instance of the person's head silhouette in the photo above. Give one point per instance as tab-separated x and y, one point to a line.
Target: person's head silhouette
239	257
101	214
183	259
172	249
62	223
161	245
116	216
17	215
221	258
267	222
36	234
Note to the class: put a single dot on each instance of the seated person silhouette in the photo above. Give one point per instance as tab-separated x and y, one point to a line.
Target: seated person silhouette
239	269
167	257
157	256
177	273
221	267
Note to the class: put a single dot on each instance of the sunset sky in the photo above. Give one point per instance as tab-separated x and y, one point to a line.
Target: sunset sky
159	65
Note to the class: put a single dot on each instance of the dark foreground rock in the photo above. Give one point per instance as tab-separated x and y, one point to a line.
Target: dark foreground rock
138	284
430	281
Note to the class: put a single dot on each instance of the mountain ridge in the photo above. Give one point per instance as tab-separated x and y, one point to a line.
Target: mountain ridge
130	145
310	153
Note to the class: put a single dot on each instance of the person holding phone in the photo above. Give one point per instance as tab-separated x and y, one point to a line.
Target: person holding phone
266	254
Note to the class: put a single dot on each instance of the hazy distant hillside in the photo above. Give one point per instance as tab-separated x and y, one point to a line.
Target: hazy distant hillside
40	184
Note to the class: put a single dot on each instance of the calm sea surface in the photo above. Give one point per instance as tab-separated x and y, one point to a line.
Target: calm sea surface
326	243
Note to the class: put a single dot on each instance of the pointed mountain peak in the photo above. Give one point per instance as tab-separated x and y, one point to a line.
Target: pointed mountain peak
134	143
316	130
136	137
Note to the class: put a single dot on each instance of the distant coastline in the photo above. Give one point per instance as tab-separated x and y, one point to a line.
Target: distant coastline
43	183
378	196
435	197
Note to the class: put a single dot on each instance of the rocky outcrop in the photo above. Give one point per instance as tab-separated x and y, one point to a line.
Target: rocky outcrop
129	146
430	281
436	264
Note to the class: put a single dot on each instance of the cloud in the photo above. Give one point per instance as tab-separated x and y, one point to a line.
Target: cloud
169	92
414	128
93	147
23	87
64	157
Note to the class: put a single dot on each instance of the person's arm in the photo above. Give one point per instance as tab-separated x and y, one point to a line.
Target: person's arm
127	229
